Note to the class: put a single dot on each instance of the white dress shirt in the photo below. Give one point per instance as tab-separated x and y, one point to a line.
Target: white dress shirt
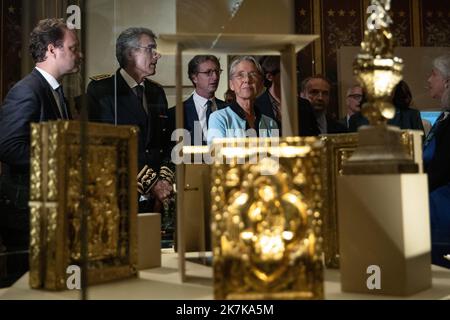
133	84
201	106
321	122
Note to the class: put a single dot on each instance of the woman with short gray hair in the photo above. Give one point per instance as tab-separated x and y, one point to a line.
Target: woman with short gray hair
241	118
436	158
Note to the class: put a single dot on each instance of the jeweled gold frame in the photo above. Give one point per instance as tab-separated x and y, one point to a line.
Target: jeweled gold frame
55	213
266	229
339	147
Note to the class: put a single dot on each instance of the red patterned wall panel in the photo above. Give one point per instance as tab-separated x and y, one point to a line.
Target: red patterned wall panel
342	25
402	16
10	45
304	25
435	23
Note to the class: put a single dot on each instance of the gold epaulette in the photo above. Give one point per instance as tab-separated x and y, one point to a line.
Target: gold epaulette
101	77
166	174
146	179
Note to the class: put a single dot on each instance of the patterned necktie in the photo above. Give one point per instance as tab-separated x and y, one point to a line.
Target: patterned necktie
140	96
434	129
62	103
208	111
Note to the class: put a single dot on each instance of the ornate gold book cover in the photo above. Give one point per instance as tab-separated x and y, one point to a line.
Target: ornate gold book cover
55	212
267	197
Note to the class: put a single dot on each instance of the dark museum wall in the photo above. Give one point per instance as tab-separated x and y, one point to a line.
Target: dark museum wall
10	44
341	23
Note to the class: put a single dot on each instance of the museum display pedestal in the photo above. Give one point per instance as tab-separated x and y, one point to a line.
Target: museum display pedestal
149	240
384	233
164	284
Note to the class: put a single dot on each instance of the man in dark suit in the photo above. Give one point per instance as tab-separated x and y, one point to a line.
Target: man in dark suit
316	89
269	102
204	72
37	97
129	98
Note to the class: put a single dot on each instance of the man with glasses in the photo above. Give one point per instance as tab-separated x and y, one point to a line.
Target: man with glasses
269	102
353	101
36	98
204	72
316	89
130	98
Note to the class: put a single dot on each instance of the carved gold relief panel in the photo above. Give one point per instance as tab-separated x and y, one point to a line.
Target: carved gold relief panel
267	219
55	202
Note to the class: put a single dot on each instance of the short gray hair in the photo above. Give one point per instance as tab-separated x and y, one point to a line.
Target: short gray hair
239	59
442	64
128	40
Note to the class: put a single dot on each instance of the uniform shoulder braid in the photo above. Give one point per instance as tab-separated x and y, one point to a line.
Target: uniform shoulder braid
101	77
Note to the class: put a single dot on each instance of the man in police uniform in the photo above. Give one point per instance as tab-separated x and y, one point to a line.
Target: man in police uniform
129	98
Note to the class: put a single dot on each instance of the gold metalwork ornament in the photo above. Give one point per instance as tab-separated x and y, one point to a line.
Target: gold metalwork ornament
266	229
378	71
55	202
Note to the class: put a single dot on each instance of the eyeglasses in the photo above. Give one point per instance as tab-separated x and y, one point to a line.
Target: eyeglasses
150	48
357	97
242	75
210	73
317	92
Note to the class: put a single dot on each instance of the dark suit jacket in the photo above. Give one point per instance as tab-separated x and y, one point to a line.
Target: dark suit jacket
154	136
306	119
343	121
30	100
405	118
438	168
335	126
190	116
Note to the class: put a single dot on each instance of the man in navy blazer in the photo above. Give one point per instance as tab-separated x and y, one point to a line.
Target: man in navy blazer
37	97
316	89
204	72
130	98
269	102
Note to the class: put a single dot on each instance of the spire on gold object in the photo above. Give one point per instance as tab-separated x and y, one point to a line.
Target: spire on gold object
378	71
375	67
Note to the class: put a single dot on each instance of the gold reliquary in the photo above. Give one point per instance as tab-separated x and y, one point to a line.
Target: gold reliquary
267	198
55	202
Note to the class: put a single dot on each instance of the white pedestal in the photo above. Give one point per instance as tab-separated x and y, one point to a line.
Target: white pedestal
149	240
384	222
